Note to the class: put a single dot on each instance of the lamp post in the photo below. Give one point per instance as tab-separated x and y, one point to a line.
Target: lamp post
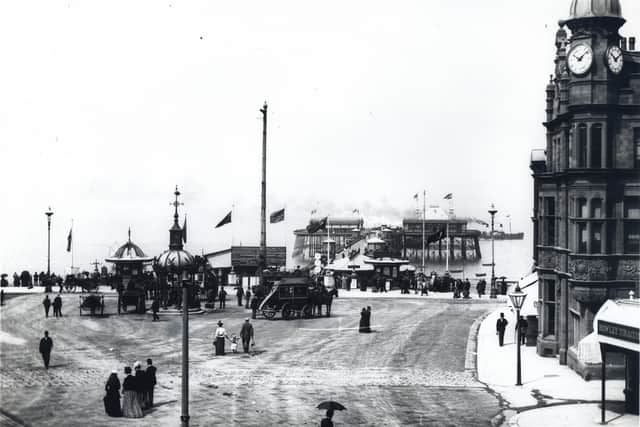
184	417
49	214
494	291
517	299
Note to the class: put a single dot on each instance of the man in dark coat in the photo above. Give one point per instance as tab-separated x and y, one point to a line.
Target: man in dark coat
46	345
151	381
57	306
239	295
46	303
155	307
254	306
222	297
521	330
247	298
501	325
246	333
35	278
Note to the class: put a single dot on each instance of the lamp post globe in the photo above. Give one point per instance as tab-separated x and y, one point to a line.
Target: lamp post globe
49	214
517	299
493	292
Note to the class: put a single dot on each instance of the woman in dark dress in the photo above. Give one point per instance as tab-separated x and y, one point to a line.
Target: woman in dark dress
367	319
130	405
112	399
363	321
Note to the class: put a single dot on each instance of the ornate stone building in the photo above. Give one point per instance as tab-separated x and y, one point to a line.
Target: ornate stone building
587	183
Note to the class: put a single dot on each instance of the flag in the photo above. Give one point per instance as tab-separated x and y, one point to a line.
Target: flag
69	238
448	196
436	237
315	225
415	196
277	216
225	220
356	211
184	230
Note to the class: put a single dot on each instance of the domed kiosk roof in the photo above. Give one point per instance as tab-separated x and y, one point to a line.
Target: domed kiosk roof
129	252
595	9
176	258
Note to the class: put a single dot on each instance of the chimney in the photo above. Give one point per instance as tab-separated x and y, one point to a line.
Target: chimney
623	43
632	43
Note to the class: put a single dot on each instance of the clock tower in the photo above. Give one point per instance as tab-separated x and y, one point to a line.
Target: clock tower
586	181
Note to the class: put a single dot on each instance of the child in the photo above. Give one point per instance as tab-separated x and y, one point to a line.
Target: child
234	344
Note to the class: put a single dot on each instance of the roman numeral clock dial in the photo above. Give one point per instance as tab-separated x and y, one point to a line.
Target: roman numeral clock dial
614	59
580	59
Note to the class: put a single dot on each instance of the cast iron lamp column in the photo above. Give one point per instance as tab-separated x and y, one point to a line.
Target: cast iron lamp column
49	213
517	299
184	417
494	291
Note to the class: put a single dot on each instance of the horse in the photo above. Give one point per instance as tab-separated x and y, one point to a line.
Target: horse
320	296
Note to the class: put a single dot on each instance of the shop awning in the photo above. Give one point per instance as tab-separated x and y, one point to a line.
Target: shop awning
617	323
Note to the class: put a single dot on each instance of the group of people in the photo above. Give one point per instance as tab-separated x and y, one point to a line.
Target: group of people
246	336
521	329
57	306
365	320
137	391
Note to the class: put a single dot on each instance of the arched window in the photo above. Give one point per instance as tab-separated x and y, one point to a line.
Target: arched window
581	145
596	146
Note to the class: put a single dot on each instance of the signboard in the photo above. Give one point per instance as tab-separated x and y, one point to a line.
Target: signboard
621	332
248	256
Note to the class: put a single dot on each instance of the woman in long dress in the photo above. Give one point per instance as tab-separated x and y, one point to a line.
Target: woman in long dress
112	399
220	336
130	404
363	321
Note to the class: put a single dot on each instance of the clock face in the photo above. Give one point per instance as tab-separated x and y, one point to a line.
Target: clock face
580	59
614	59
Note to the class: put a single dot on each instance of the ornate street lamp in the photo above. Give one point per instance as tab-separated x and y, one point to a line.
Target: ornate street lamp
49	214
493	293
517	299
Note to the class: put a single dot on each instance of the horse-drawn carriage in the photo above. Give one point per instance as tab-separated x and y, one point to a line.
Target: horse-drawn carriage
134	293
84	282
296	297
94	303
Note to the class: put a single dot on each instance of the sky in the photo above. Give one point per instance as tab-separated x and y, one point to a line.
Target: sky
106	106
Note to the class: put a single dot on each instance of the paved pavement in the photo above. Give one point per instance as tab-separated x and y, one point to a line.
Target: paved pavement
410	371
551	394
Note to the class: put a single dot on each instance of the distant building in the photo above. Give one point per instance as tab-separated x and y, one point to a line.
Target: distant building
240	263
344	232
586	182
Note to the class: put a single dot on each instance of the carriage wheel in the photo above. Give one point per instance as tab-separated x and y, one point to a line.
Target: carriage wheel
269	312
287	312
307	311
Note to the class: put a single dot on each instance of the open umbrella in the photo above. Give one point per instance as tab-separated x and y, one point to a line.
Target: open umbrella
330	404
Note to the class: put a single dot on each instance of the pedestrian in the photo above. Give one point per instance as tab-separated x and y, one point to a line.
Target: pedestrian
46	302
141	384
368	320
1	296
112	398
501	325
247	298
151	381
219	337
3	281
254	306
36	278
130	405
16	279
363	321
466	289
239	295
57	306
223	297
326	422
155	307
521	330
246	333
46	345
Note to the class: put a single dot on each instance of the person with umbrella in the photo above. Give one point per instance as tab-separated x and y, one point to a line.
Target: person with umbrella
330	406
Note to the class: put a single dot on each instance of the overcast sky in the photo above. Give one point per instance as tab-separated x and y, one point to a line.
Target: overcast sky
106	105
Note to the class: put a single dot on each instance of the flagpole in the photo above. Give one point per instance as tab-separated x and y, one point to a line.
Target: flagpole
72	239
232	222
328	244
424	215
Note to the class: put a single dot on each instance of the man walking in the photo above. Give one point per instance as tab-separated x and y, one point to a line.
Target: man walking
521	330
247	298
501	325
46	302
46	344
239	295
151	381
155	307
254	306
57	306
223	297
246	333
